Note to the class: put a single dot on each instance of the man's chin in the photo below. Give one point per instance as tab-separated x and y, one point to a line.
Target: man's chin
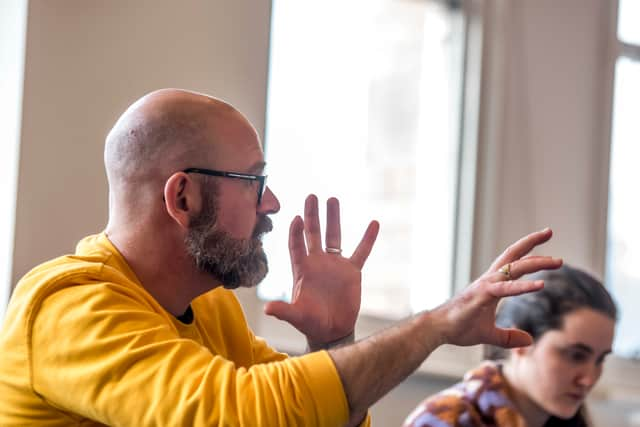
252	279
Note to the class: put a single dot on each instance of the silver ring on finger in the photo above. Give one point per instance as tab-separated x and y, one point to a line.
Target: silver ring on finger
336	251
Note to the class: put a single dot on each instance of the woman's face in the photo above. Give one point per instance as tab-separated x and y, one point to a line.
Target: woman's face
560	369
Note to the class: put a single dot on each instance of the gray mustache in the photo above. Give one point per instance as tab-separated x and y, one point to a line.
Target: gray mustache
263	226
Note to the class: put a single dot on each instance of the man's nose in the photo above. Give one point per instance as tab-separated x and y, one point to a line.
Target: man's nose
269	203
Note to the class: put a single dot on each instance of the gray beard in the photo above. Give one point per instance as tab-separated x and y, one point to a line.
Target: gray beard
234	262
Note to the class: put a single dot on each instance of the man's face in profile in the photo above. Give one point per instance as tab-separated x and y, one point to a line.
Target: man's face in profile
235	262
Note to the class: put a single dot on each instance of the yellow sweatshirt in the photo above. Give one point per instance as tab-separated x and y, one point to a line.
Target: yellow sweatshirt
84	344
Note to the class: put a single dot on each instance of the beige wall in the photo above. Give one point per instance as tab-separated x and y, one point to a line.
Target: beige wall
543	141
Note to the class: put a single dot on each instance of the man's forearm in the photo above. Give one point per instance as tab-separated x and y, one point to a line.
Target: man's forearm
371	367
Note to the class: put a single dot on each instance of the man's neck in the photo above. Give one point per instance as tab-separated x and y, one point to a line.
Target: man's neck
166	272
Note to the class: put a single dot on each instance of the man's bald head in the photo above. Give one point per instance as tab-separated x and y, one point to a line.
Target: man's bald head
164	220
160	133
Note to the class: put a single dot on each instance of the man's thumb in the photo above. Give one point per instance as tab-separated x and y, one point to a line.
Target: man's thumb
511	337
283	311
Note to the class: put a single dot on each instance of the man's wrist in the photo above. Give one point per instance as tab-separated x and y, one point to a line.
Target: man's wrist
432	325
346	340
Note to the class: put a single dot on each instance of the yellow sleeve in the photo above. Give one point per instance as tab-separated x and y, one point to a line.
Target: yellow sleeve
263	353
98	351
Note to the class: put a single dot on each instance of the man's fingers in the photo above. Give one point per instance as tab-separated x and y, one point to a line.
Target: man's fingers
312	224
511	337
297	248
333	238
521	248
514	287
363	250
528	265
283	311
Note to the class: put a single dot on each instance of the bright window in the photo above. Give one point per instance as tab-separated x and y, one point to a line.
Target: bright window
628	28
13	23
623	241
364	104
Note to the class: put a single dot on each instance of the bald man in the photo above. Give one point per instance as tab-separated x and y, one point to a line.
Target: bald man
140	327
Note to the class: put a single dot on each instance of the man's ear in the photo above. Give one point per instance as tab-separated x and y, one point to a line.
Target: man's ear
181	198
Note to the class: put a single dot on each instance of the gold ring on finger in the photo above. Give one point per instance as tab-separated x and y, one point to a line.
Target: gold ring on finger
506	270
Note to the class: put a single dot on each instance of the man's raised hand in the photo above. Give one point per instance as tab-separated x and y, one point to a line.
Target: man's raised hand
469	318
326	285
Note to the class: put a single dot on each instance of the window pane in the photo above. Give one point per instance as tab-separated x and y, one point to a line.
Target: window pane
629	21
363	105
13	31
623	245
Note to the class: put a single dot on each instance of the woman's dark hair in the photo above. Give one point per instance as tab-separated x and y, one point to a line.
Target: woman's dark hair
565	290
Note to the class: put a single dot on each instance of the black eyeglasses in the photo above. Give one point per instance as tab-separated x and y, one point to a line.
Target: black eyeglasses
261	179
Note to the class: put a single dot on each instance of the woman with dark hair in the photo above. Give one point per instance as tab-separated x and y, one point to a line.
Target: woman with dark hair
572	323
